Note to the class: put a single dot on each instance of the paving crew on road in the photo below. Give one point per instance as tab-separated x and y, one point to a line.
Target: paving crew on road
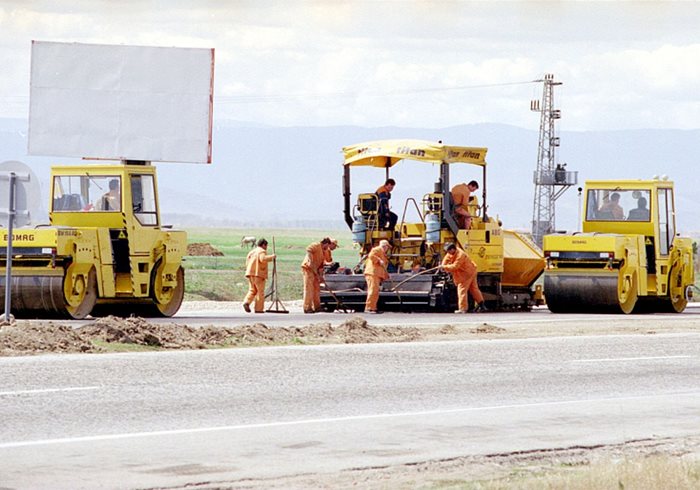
461	195
463	270
375	273
256	272
312	271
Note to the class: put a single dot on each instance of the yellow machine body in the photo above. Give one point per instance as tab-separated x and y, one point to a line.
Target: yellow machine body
102	253
508	262
628	257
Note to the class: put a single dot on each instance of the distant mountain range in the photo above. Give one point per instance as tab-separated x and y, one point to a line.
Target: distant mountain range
291	176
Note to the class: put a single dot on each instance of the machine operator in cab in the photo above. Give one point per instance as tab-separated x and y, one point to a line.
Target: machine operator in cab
111	200
611	208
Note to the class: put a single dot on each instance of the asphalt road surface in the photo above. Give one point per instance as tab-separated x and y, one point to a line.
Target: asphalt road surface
228	416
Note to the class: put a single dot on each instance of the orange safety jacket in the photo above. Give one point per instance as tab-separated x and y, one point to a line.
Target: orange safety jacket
460	265
327	256
375	259
256	263
313	261
460	195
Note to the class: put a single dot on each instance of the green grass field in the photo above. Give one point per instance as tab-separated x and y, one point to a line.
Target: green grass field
223	279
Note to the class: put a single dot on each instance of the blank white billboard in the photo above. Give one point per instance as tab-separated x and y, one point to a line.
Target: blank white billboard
121	102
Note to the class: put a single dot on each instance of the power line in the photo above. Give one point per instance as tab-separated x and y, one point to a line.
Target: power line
242	99
233	99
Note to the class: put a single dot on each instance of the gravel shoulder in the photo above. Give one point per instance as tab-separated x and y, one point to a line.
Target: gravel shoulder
110	334
649	463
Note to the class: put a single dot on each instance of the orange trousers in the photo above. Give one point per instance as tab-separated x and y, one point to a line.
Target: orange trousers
312	291
373	286
472	288
256	292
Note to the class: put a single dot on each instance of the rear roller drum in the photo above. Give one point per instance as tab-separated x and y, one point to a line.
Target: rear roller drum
627	293
167	299
678	298
80	293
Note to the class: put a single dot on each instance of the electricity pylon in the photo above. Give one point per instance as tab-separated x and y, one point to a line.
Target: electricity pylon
551	179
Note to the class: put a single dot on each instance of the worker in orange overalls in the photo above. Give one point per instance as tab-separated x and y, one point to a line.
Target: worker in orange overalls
375	273
312	271
461	195
463	270
256	272
328	264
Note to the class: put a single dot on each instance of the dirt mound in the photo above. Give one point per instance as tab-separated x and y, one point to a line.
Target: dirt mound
138	331
27	338
203	250
488	328
109	333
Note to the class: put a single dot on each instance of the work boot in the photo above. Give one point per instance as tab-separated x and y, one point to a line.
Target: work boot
461	311
246	307
480	308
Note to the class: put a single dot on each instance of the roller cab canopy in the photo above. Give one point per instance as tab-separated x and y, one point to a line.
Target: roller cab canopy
387	153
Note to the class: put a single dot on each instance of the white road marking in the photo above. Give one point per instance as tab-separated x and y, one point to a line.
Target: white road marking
265	425
47	390
631	359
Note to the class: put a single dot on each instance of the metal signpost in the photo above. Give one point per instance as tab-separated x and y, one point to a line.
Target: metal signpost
19	191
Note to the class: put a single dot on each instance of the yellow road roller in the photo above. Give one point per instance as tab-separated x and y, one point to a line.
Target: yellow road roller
628	256
508	262
105	250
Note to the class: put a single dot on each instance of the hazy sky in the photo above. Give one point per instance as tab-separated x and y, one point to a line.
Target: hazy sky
406	63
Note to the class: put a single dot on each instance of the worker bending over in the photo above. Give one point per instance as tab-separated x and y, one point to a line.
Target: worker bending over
375	273
461	195
256	272
328	264
463	270
387	219
312	272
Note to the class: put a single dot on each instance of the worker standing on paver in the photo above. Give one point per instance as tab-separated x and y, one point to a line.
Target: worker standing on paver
461	197
312	271
375	273
463	270
256	272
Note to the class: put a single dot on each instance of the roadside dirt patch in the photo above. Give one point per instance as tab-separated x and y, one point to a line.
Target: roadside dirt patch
203	250
31	337
24	338
627	465
487	328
